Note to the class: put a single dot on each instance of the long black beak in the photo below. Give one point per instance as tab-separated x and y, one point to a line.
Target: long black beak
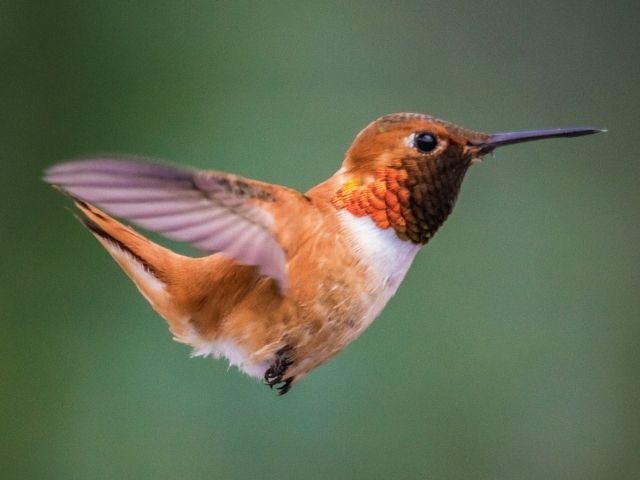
507	138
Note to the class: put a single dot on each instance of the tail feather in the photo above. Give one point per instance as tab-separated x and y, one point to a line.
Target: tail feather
103	235
150	266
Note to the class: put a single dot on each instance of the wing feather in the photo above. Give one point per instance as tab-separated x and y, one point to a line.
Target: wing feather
216	212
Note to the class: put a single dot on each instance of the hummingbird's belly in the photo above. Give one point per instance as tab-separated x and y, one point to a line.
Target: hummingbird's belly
340	284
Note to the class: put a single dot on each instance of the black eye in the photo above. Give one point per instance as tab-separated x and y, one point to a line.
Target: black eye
425	142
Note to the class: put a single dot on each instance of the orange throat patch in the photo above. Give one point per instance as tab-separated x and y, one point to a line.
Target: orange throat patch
386	200
414	199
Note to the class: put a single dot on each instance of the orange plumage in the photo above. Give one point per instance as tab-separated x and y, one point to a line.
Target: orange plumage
291	278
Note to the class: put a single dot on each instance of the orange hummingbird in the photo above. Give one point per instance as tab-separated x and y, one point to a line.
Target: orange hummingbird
292	277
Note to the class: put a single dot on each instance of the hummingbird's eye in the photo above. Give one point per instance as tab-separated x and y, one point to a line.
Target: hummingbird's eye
425	142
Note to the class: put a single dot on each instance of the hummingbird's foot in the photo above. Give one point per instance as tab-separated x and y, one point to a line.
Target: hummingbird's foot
276	372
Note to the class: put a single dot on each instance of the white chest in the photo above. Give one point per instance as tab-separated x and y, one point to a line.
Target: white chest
386	257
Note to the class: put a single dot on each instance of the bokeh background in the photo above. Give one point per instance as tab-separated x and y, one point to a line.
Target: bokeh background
510	352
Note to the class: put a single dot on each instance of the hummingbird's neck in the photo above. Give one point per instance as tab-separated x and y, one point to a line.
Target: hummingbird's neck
414	196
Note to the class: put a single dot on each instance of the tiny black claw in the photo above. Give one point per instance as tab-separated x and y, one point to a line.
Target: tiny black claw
285	387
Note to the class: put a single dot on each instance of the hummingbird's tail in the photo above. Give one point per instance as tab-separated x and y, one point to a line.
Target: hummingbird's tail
153	269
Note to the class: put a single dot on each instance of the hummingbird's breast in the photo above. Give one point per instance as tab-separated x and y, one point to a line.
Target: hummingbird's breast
341	281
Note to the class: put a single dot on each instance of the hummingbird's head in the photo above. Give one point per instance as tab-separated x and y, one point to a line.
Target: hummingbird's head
391	140
404	170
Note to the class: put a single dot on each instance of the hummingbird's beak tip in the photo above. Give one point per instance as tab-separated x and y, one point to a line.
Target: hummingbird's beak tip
588	131
578	132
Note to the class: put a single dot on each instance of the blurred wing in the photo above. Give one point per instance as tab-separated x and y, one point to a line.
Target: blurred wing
216	212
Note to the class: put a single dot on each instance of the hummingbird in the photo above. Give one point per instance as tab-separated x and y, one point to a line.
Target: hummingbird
290	278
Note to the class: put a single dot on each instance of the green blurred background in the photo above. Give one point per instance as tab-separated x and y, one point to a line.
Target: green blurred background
510	352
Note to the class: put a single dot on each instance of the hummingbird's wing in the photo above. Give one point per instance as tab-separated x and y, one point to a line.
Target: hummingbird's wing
215	212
